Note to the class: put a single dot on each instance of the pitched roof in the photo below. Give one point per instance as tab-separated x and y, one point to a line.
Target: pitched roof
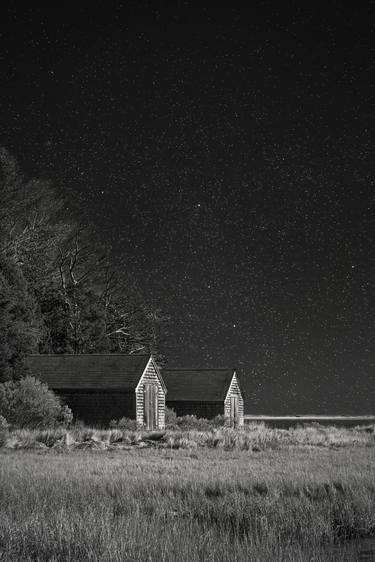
200	385
92	372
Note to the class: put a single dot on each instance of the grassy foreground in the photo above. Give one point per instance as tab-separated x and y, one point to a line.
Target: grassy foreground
217	500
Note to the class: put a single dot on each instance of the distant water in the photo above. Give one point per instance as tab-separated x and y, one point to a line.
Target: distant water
286	422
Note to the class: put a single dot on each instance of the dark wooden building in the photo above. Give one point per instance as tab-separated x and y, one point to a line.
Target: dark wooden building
100	388
205	393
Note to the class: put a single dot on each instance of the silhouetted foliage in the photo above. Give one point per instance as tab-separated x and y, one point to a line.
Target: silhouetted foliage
20	327
60	292
29	403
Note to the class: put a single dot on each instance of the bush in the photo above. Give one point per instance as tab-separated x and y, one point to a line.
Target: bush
124	423
220	421
65	416
190	422
29	403
4	425
170	418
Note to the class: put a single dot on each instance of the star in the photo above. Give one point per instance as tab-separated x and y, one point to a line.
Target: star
230	178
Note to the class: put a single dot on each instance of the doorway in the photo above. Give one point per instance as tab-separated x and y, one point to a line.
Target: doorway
151	406
234	417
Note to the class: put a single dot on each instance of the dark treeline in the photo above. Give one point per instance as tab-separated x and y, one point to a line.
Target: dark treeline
60	290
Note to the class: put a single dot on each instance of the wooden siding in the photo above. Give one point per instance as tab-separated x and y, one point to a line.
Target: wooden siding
234	390
150	376
207	410
99	408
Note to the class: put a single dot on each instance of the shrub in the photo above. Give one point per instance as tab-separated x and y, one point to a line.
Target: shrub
124	423
220	421
78	424
3	430
191	422
4	425
29	403
65	416
170	418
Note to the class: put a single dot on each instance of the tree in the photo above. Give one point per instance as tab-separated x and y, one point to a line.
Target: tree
20	326
104	314
55	317
32	223
65	280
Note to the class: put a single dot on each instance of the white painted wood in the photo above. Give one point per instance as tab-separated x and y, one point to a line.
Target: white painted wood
151	375
234	390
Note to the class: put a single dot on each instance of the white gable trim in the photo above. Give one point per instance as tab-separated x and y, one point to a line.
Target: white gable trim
143	374
159	375
234	377
151	361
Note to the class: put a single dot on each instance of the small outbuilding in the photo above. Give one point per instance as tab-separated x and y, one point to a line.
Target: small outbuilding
205	393
100	388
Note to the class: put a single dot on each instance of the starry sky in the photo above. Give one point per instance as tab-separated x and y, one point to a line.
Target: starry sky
227	156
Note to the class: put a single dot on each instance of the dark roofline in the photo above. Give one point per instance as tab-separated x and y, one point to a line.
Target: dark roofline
201	401
89	354
199	369
189	384
65	372
91	390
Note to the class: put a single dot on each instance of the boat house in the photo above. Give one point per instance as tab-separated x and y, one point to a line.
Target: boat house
205	393
100	388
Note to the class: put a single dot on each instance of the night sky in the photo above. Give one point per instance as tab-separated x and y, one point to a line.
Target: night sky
228	157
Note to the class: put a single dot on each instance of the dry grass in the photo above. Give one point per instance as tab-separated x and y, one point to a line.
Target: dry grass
216	500
255	438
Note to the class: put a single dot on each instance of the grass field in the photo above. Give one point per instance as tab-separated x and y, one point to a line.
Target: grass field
284	499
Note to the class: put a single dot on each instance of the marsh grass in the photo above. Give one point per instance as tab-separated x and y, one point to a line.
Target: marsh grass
253	438
215	500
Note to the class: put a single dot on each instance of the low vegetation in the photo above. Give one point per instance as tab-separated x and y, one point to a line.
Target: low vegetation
173	422
198	491
133	496
253	438
27	402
